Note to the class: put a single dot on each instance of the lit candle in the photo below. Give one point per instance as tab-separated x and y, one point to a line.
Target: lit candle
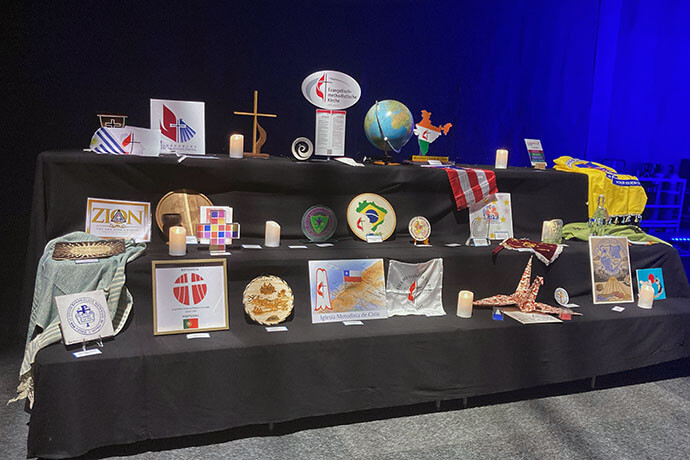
646	296
501	159
272	239
465	299
236	146
177	241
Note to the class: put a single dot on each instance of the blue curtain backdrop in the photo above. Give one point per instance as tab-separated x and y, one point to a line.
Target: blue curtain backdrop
499	71
591	78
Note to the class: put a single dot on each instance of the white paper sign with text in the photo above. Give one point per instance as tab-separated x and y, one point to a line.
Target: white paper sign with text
118	219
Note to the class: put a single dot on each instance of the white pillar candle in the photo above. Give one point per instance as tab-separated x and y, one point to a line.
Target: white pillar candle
177	241
272	239
646	296
236	146
501	159
465	299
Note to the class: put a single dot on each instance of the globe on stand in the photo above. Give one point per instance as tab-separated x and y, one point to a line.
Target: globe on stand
388	126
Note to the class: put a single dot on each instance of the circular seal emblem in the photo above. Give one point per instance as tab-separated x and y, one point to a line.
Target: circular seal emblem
302	148
561	296
319	223
419	228
371	214
268	300
86	316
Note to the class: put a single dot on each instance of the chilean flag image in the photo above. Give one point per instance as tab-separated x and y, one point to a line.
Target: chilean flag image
352	276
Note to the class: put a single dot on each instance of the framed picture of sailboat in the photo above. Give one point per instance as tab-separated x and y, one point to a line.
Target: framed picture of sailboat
610	263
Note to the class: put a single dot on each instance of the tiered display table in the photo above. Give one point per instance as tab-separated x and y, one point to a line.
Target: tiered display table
145	387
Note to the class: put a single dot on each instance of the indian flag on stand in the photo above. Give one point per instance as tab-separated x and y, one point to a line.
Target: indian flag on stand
425	136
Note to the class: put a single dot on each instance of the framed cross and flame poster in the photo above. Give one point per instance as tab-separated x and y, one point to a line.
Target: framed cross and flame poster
189	296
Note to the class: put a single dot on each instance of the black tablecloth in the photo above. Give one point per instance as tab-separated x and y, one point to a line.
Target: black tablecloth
281	190
146	386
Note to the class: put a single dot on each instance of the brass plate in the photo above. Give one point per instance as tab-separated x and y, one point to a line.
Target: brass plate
187	204
268	300
88	249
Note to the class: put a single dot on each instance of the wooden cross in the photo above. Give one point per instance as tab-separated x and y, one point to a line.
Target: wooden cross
257	144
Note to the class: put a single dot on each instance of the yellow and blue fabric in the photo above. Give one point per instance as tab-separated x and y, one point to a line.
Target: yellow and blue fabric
625	197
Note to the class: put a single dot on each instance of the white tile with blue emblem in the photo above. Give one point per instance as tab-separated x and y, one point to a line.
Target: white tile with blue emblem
84	317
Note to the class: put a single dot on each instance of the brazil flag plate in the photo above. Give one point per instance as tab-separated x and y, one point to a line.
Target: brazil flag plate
371	214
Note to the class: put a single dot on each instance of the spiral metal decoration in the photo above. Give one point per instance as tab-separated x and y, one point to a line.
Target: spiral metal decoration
302	148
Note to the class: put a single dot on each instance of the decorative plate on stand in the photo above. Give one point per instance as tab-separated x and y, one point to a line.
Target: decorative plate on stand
371	214
268	300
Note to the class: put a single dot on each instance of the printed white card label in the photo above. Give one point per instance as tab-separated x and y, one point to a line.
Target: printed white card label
118	219
199	335
374	239
84	353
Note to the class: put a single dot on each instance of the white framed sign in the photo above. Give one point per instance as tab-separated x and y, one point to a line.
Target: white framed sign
118	219
182	126
189	296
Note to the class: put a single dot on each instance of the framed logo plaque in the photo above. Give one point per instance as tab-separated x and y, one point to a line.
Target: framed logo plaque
84	317
371	214
319	223
189	296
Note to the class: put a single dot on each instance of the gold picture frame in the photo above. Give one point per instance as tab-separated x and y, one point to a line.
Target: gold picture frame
191	292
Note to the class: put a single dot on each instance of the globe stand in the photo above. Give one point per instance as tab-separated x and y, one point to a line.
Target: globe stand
387	159
380	139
